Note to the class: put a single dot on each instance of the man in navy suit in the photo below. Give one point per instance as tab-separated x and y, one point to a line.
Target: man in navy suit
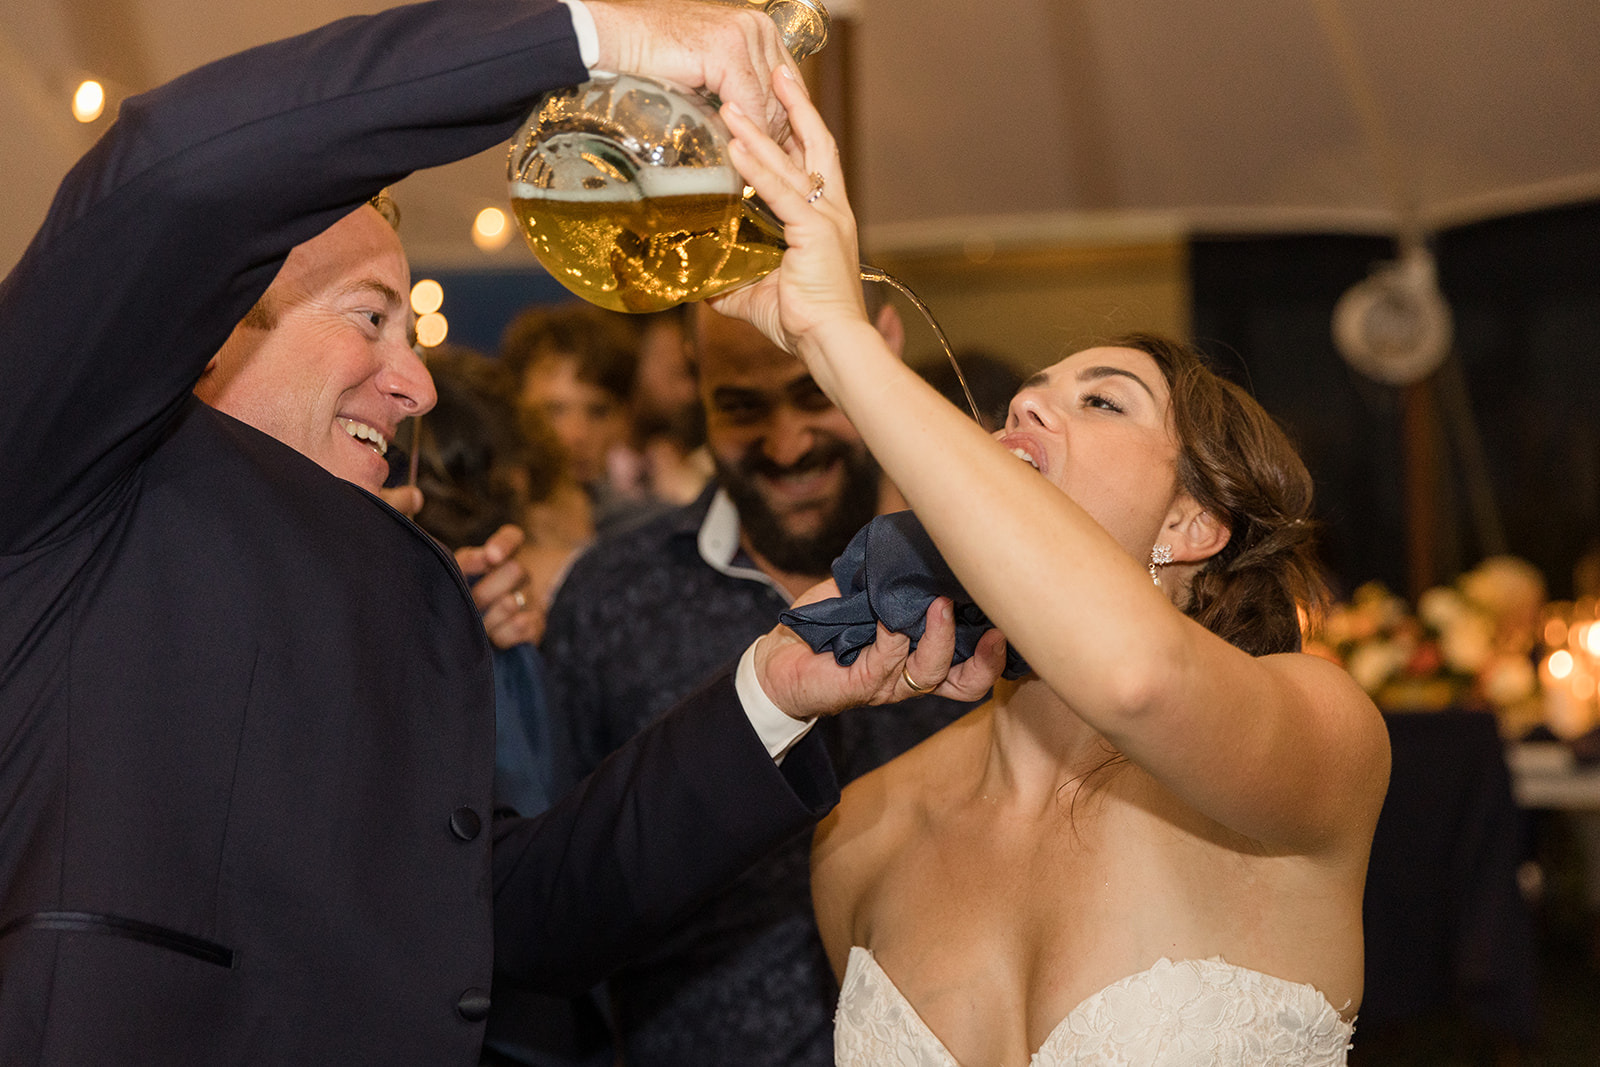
246	734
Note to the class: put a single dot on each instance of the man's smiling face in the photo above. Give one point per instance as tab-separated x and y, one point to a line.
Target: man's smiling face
331	373
798	472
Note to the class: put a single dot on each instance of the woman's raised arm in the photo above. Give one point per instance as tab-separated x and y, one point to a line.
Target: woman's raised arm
1284	749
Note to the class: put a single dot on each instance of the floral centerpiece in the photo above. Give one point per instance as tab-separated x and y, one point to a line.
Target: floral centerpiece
1471	643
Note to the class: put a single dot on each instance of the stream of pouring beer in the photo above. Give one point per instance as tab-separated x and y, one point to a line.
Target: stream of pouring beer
873	274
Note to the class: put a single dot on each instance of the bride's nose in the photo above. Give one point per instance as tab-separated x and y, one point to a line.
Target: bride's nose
1029	410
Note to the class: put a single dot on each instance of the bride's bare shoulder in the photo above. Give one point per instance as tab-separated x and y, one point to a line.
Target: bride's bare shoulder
880	809
878	814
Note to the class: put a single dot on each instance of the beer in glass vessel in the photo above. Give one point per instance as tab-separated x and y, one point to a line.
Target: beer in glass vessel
623	188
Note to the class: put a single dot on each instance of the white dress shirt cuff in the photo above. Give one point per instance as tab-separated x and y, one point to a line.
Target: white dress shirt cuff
777	730
588	36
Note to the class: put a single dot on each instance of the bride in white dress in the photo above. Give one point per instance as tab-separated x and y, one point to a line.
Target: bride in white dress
1151	850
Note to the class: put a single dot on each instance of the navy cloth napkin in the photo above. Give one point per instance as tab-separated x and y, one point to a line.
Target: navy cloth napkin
890	572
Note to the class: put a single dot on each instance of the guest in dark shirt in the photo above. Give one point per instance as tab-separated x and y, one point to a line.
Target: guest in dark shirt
647	613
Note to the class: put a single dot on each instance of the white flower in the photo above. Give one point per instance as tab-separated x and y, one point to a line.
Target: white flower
1375	663
1508	679
1505	584
1468	643
1441	606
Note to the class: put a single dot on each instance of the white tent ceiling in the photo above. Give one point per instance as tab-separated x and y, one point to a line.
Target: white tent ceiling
1016	121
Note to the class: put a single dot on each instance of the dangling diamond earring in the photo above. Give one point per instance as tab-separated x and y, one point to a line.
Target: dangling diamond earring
1160	556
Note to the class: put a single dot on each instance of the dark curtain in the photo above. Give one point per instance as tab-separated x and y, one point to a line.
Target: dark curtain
1525	292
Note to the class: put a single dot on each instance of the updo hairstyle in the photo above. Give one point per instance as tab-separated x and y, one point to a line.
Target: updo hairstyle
1238	464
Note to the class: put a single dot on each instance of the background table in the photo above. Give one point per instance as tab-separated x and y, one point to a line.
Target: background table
1448	934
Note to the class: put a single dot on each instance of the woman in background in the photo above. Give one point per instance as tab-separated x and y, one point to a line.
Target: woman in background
576	365
1153	848
486	457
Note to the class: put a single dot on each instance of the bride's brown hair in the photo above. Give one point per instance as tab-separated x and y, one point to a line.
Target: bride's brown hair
1239	465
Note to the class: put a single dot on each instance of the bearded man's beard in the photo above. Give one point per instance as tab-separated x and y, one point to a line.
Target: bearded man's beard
807	553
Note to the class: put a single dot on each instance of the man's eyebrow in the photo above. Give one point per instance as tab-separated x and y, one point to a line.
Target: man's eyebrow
373	285
737	392
1093	374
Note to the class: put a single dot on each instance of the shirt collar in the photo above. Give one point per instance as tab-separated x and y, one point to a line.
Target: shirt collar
718	541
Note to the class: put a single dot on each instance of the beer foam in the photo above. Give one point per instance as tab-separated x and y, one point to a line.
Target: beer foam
653	181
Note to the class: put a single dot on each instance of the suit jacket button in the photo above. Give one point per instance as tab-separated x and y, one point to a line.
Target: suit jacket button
473	1005
465	824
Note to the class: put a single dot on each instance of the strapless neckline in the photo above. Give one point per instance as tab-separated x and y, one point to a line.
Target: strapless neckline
1192	1005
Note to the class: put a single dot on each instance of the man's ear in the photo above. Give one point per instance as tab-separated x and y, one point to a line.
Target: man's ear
223	367
206	387
1194	533
893	329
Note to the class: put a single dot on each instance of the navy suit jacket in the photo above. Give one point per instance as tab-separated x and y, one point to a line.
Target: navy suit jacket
246	734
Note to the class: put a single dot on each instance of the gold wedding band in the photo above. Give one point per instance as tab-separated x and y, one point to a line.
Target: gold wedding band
817	183
905	674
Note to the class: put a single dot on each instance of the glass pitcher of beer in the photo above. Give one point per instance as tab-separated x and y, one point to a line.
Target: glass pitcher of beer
623	188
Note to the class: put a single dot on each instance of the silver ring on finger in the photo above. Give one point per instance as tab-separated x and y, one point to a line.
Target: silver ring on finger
520	600
817	182
911	683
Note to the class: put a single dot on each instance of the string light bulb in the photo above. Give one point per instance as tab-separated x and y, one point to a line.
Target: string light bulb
432	329
89	102
1560	664
427	296
491	230
1590	639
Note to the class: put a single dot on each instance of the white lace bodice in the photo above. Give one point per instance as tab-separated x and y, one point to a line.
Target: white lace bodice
1192	1013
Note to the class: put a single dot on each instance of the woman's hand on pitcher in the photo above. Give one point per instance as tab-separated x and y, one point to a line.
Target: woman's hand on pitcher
818	284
